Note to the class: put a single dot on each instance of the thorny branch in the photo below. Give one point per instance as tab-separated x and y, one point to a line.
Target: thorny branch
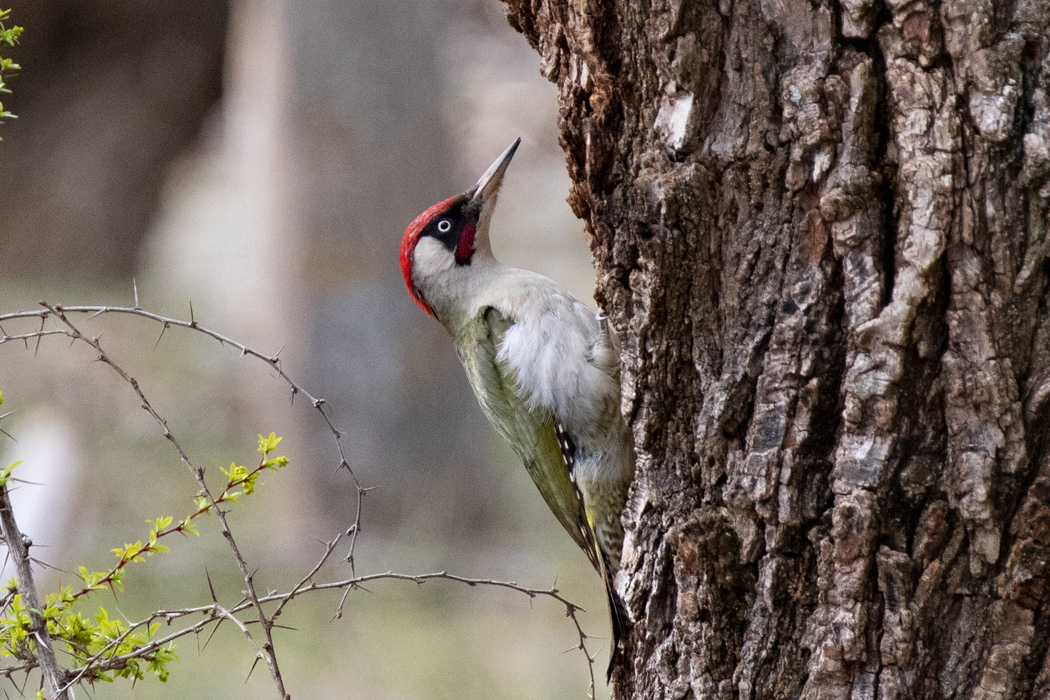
273	361
267	653
18	547
214	613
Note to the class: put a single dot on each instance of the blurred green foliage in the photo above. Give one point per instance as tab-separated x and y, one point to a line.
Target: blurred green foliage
8	36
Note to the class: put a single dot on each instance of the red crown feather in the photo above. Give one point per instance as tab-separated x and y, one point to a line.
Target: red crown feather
408	247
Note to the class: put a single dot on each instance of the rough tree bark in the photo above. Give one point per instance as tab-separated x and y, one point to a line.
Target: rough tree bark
821	229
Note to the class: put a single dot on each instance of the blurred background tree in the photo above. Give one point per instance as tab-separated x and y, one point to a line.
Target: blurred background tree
117	91
260	159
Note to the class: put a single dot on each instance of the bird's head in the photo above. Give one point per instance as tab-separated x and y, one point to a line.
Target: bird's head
451	235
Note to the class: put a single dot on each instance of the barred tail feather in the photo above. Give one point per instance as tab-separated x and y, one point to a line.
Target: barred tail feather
618	614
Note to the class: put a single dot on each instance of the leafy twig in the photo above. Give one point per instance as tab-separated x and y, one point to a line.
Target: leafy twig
268	652
8	36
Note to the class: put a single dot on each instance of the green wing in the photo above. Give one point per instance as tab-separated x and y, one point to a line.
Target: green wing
530	433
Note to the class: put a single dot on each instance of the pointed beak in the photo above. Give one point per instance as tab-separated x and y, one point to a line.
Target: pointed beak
484	193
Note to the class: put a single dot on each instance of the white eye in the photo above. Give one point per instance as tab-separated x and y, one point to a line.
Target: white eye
444	226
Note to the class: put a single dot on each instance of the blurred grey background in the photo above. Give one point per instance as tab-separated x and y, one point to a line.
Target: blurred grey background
261	159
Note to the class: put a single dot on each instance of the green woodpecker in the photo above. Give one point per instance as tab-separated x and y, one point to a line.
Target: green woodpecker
544	369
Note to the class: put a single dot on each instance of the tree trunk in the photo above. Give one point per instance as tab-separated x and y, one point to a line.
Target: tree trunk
821	230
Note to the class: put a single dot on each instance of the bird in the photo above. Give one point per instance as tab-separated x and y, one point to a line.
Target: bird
543	367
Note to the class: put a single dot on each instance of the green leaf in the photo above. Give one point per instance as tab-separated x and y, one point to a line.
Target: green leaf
5	476
130	552
162	523
188	526
269	443
235	473
92	579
